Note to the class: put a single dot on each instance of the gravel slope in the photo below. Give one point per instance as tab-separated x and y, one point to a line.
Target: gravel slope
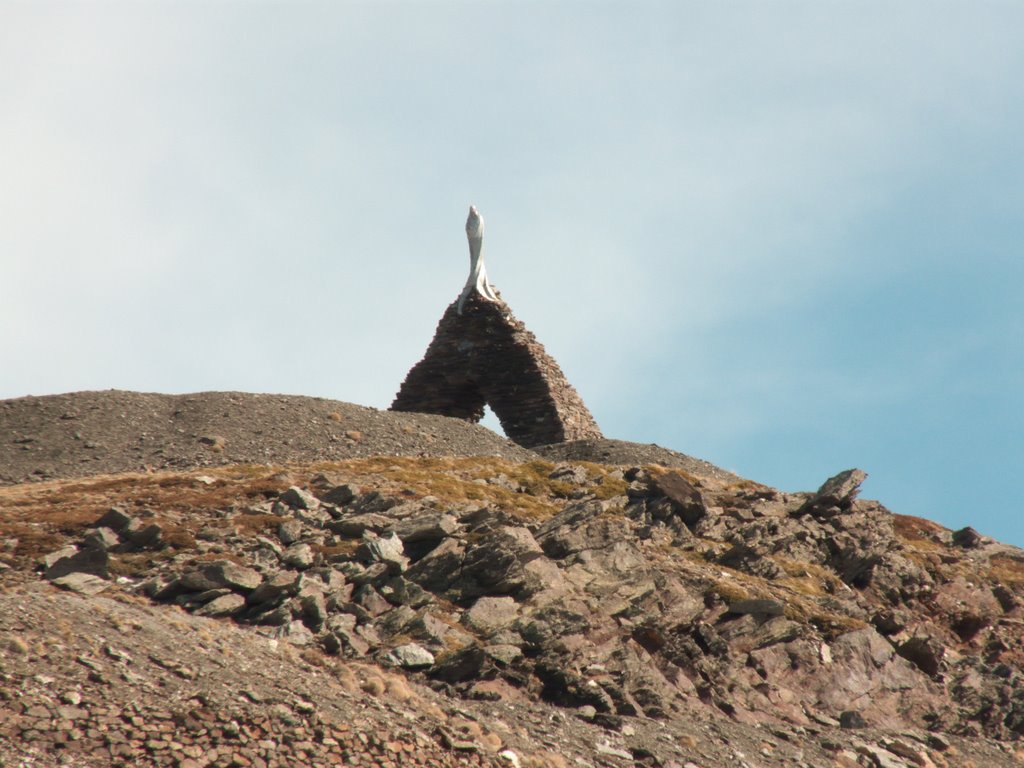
90	433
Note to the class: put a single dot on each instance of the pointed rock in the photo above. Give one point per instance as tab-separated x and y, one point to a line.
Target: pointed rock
836	495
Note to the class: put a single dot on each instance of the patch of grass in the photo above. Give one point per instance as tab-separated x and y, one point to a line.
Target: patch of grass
805	609
33	542
729	591
136	564
341	550
533	476
921	556
44	516
913	528
248	523
208	557
745	485
918	533
804	586
610	487
1006	570
809	579
267	472
832	625
178	537
452	480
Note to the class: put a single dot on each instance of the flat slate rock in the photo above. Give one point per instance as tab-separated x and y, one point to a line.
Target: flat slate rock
83	583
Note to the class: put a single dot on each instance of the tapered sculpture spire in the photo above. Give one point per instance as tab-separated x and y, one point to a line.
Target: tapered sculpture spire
481	355
477	280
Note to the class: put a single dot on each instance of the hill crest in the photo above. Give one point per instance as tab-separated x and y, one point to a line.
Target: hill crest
555	608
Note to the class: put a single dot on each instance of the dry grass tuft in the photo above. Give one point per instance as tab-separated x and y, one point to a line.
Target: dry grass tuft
374	685
916	532
398	689
136	564
491	741
462	480
832	625
729	591
346	677
42	517
255	523
340	550
808	579
545	759
1006	570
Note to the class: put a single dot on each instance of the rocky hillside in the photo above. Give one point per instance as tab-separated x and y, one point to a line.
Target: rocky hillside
603	604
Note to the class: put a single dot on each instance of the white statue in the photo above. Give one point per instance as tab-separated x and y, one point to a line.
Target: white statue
477	274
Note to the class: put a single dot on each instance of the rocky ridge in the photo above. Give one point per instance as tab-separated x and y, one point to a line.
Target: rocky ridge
425	610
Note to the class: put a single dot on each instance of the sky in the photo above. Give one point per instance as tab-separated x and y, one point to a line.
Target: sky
783	237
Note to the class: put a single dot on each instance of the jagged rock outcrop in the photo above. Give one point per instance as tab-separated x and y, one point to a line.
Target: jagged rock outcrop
640	593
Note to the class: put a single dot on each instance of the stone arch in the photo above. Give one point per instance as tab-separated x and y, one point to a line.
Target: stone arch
482	355
485	356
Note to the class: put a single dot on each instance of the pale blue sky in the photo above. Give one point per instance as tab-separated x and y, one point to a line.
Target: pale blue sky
784	237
